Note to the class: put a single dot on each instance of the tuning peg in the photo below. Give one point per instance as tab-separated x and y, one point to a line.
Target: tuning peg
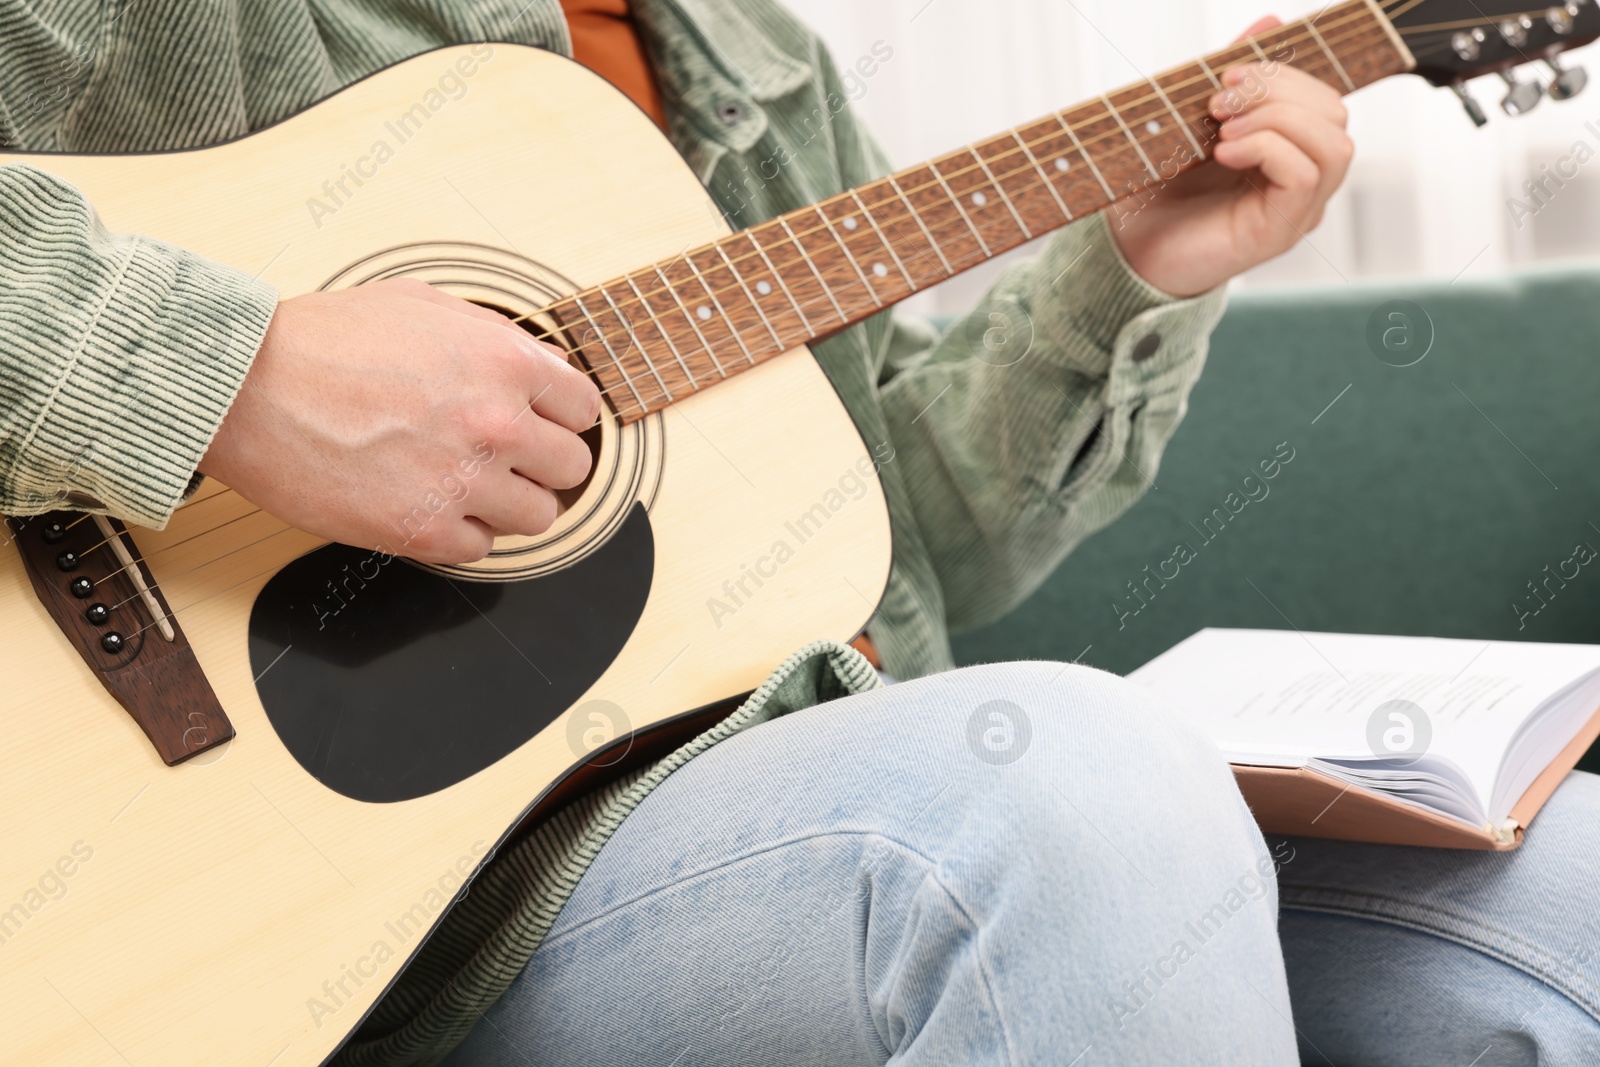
1521	96
1569	81
1468	101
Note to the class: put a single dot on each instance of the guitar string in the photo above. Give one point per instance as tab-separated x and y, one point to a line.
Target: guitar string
181	507
791	309
1113	134
1119	151
167	548
1405	5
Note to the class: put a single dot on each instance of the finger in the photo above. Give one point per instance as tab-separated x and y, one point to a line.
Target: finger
512	504
1329	147
1253	85
1291	174
559	391
548	454
450	541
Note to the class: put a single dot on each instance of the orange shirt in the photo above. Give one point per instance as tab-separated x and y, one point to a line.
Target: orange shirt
604	40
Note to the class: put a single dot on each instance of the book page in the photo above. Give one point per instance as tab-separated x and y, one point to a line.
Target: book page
1281	698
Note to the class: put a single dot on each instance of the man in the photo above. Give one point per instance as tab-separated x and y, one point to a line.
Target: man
846	884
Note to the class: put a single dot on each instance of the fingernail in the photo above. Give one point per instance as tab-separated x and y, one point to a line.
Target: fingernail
1233	76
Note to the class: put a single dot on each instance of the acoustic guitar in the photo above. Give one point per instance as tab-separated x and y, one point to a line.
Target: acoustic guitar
244	767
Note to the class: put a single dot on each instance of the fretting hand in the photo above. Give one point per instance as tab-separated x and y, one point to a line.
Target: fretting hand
1283	151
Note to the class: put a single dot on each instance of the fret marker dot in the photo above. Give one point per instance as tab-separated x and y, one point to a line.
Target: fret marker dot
1062	164
979	199
850	223
763	288
703	311
1153	126
879	269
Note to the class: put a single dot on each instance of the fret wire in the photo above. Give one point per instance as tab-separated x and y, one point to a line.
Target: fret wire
693	325
827	290
1259	52
1081	147
616	361
778	277
578	304
1358	13
1210	73
1182	124
628	326
916	216
1337	66
1002	191
1137	147
1355	16
883	240
933	166
1086	158
848	255
933	243
733	327
753	301
666	335
1048	184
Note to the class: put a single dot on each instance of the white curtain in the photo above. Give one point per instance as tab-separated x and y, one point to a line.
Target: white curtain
1429	194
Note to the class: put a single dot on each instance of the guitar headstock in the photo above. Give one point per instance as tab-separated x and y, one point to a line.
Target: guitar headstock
1456	40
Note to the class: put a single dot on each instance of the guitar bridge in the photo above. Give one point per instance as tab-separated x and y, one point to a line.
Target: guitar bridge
89	576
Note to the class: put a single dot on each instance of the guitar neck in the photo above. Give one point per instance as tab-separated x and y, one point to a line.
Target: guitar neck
661	334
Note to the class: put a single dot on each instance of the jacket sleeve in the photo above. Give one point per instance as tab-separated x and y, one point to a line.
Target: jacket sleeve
1041	414
119	356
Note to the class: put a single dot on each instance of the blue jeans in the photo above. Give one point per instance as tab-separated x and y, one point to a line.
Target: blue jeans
1039	864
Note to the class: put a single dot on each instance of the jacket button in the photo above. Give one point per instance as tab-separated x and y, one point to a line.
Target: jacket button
1147	346
731	113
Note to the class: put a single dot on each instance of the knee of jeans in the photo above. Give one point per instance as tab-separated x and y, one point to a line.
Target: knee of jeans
1082	758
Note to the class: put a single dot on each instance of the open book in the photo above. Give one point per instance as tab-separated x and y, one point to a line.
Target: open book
1404	740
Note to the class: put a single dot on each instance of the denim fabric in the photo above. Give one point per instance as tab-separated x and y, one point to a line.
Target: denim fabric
900	877
1019	864
1421	956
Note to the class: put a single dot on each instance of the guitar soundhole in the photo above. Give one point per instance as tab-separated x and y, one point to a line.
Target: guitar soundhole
388	682
628	460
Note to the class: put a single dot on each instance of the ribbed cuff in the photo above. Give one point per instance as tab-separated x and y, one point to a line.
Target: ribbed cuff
144	384
1085	291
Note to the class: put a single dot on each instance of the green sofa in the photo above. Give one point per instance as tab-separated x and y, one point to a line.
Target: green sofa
1429	498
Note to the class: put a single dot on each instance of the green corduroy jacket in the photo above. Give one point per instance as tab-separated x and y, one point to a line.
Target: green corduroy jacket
1004	461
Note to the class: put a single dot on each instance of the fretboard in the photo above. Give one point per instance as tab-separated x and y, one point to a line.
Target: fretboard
663	333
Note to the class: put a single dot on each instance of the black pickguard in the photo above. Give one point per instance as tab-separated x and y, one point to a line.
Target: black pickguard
388	682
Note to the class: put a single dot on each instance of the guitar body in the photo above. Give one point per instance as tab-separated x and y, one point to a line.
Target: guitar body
395	723
175	892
